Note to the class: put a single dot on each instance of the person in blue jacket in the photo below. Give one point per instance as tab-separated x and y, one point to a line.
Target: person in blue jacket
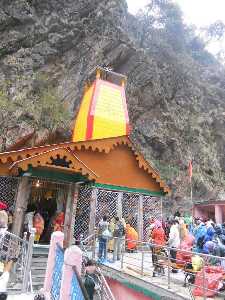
199	235
209	234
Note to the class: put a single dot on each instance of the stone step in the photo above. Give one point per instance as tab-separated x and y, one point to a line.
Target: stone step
40	253
38	264
38	270
37	274
44	248
39	259
37	285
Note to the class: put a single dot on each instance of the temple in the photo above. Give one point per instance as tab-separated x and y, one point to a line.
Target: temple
99	172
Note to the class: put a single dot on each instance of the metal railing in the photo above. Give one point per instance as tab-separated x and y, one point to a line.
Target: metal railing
13	248
27	278
154	260
104	292
149	260
88	246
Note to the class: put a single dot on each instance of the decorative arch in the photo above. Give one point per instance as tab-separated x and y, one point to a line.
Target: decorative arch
61	159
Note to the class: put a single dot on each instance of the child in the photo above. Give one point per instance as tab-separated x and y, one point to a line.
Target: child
91	278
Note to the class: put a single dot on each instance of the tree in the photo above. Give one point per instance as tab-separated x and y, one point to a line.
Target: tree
215	31
7	117
43	109
50	111
164	20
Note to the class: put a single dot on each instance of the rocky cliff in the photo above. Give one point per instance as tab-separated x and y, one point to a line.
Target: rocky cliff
176	101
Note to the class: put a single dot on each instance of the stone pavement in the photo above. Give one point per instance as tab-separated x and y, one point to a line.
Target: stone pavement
174	282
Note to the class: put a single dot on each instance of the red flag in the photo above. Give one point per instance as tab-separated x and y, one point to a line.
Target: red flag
190	170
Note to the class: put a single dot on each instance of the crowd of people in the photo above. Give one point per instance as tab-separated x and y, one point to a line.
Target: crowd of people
185	241
112	236
46	217
185	238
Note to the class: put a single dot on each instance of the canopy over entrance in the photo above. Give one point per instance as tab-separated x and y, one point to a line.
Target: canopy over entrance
59	159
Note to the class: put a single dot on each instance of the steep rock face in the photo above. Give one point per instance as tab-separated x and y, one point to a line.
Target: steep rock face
176	106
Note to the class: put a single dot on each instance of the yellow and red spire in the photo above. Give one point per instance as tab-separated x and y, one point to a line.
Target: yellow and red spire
103	111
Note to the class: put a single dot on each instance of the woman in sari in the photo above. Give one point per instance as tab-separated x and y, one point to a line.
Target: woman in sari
39	225
58	222
131	238
111	229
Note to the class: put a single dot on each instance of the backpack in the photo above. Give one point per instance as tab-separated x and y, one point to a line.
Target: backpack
121	229
200	242
106	234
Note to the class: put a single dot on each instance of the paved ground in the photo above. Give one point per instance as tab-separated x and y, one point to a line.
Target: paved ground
132	265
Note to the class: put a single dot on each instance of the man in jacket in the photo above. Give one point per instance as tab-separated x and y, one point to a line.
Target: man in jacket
199	234
102	228
119	233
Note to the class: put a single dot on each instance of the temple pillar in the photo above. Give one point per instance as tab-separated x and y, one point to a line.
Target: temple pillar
22	197
68	212
197	212
218	214
73	193
140	217
119	207
93	204
75	196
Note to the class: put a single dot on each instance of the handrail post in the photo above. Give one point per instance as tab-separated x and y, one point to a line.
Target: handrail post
23	255
28	261
203	278
93	247
142	263
169	269
122	259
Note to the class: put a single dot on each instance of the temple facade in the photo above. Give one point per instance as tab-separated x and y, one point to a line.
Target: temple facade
99	172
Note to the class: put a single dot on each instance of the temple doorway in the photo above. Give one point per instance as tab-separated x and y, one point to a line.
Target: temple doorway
46	208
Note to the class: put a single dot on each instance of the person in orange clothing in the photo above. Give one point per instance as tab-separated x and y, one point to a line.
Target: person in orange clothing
158	234
58	222
131	238
39	225
158	240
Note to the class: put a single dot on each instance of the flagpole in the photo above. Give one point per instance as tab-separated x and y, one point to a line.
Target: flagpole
192	199
191	188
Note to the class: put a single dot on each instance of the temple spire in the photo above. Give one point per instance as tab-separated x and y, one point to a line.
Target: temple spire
103	110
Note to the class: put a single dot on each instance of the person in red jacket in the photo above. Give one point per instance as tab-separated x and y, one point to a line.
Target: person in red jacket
158	234
158	240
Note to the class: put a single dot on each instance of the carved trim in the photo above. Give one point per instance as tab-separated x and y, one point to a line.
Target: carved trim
44	160
103	145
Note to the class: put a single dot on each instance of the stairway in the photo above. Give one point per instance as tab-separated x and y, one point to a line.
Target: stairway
38	266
